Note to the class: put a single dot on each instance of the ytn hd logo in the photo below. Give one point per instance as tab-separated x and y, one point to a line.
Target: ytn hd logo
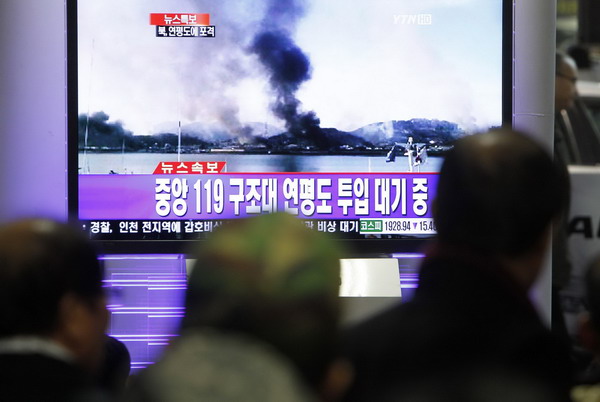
413	19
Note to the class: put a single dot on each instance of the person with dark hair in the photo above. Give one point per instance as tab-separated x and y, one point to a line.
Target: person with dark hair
261	320
497	196
52	312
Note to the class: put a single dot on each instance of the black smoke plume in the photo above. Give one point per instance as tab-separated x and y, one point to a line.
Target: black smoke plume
288	67
101	132
103	135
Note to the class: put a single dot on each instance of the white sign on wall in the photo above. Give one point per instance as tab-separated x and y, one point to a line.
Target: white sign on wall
583	237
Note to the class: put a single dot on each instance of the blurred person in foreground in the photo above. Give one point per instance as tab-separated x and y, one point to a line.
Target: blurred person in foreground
588	389
471	333
261	319
52	313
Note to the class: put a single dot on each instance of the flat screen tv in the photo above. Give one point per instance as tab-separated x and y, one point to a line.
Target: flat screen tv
184	115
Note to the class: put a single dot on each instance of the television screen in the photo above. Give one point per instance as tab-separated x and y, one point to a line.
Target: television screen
186	114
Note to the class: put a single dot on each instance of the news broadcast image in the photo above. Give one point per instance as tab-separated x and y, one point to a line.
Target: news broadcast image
192	113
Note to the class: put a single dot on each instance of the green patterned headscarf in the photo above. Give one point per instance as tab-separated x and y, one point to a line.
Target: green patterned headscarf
269	277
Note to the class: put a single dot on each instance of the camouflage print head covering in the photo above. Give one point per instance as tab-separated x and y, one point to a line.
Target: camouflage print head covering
269	277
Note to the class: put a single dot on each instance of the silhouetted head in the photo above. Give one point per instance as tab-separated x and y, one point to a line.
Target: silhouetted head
497	194
565	89
273	279
51	287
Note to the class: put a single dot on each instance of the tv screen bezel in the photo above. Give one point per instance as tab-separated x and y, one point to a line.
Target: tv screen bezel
356	247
